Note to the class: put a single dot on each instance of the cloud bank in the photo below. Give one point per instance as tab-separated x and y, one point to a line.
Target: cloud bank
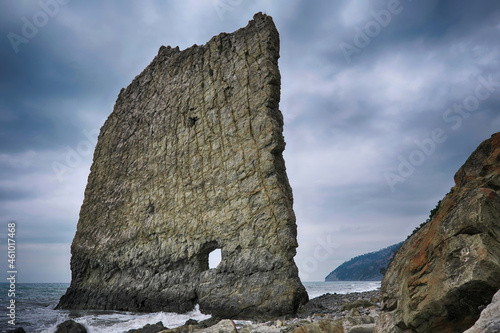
383	102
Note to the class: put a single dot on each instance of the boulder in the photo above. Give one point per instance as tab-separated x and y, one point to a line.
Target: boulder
347	324
321	326
150	328
192	325
70	326
223	326
260	328
182	329
445	273
190	161
358	324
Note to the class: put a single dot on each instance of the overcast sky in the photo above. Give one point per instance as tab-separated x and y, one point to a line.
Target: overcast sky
383	101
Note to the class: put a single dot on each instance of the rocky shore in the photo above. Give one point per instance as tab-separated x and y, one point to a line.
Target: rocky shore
342	313
332	313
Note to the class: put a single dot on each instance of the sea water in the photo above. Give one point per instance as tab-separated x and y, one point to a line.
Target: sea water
315	289
35	308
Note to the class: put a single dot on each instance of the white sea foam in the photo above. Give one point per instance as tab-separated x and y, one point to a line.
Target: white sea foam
97	322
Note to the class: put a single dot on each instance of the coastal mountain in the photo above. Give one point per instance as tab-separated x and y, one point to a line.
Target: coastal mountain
367	267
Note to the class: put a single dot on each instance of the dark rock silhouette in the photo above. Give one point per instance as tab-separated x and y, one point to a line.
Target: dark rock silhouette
150	328
70	326
489	321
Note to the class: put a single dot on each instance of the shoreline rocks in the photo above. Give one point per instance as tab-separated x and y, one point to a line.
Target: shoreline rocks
336	305
70	326
337	313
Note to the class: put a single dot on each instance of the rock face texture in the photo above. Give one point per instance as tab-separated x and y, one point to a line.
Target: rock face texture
444	274
189	161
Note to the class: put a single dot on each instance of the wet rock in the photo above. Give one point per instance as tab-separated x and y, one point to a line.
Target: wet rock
336	304
191	322
183	329
192	325
444	274
207	322
150	328
70	326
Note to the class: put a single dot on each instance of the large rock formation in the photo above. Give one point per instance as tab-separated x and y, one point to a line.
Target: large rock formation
189	161
444	274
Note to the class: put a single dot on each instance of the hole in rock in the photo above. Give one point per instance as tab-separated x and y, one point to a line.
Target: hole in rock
214	258
192	121
150	209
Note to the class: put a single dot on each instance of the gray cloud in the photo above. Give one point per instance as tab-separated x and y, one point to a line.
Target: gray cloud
347	123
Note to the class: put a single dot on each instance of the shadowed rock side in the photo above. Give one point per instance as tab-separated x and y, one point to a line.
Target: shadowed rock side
449	270
489	321
190	160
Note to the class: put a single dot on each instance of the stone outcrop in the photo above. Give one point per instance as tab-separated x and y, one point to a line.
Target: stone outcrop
331	313
190	161
444	274
489	321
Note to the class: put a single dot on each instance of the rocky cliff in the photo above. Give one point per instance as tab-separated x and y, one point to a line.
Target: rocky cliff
366	267
445	273
190	161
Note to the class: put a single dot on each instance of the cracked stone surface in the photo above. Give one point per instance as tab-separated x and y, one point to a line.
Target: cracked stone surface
449	270
190	160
